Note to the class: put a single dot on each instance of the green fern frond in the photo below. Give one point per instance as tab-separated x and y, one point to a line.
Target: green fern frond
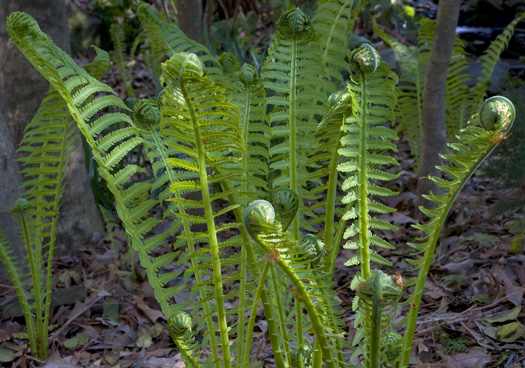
87	100
364	145
120	56
323	161
46	146
373	100
208	126
488	62
294	75
166	39
331	21
251	102
474	144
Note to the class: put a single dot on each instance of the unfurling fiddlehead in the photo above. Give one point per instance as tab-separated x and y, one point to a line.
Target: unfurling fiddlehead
364	59
258	216
378	297
179	325
313	250
497	113
179	328
302	356
286	203
260	222
146	114
475	143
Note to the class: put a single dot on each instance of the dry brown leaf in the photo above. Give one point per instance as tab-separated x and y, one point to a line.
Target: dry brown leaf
474	358
448	361
152	314
513	294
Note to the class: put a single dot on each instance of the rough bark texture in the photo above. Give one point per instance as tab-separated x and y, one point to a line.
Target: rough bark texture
189	14
434	128
23	89
10	182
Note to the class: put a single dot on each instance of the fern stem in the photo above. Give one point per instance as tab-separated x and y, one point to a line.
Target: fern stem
375	334
314	316
299	321
56	203
243	270
363	185
408	336
35	276
20	291
317	355
214	247
253	313
331	196
339	237
282	317
292	130
190	243
268	308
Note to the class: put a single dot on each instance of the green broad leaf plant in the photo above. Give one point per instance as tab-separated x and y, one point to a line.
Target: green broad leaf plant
257	180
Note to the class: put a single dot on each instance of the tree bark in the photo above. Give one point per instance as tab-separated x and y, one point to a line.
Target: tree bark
10	182
23	89
189	14
434	125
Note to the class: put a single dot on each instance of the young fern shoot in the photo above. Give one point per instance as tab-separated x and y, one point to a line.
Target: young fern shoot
475	143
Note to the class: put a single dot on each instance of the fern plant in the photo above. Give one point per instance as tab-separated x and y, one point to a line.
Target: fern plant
45	149
243	172
464	93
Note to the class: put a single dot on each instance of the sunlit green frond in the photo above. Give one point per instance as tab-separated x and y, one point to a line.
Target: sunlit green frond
301	264
96	109
294	75
363	152
251	102
373	100
473	145
331	23
196	115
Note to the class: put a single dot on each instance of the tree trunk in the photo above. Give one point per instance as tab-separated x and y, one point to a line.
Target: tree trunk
434	126
189	14
23	89
10	182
